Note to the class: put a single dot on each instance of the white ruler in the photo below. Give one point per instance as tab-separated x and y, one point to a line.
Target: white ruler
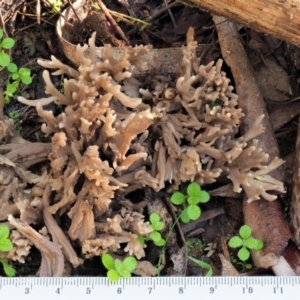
140	288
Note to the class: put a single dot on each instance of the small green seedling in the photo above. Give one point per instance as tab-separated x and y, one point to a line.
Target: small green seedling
246	242
5	44
191	245
5	246
244	265
156	225
14	116
56	6
16	76
117	268
194	196
14	79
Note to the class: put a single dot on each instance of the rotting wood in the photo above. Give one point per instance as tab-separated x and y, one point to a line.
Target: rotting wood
295	204
278	18
265	218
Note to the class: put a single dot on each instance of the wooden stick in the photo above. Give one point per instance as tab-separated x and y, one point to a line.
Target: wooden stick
265	218
112	21
280	18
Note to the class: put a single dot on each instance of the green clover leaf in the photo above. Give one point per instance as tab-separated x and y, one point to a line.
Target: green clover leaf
129	263
254	244
4	59
203	197
193	189
4	232
113	275
235	242
108	261
245	232
193	212
178	198
184	217
12	68
160	243
243	254
7	43
8	270
155	236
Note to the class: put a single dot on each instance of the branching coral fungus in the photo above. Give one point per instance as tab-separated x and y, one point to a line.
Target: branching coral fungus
119	133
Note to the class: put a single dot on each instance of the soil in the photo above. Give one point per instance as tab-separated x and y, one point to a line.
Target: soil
276	66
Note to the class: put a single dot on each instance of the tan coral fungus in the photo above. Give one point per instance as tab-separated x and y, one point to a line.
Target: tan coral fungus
117	134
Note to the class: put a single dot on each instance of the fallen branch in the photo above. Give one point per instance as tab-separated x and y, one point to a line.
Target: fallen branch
265	218
278	18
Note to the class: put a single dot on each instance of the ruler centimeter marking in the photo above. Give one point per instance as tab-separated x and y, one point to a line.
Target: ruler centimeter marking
134	288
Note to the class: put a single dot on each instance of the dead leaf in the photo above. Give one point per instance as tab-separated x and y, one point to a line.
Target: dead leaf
145	268
180	260
227	268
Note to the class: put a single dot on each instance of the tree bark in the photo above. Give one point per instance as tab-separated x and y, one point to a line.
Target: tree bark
280	18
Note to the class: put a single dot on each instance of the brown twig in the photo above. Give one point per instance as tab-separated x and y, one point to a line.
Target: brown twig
38	11
66	20
170	14
112	21
74	10
161	11
12	8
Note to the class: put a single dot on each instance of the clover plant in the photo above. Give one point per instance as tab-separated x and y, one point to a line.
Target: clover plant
5	246
245	241
190	202
156	225
16	76
14	79
117	268
5	44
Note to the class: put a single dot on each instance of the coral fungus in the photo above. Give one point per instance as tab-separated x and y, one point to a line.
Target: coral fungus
118	133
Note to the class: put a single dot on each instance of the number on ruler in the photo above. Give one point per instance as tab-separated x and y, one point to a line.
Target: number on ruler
150	289
279	290
180	291
119	291
26	291
248	290
88	290
211	290
57	291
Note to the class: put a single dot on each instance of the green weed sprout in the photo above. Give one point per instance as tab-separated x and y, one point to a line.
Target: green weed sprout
14	116
6	245
15	75
194	196
5	44
156	225
246	242
117	268
13	81
203	265
56	6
